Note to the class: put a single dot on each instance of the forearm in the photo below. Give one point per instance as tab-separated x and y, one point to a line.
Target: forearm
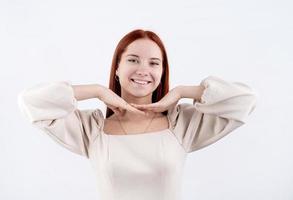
194	92
82	92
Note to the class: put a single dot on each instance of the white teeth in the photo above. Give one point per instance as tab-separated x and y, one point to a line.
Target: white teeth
140	82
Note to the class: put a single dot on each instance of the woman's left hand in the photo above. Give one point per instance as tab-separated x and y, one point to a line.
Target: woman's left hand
168	101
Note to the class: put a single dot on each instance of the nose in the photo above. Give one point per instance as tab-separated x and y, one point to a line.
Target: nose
141	72
143	69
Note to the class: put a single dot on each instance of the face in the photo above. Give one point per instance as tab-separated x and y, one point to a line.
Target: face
140	68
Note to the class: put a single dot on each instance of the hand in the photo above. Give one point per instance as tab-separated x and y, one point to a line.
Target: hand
168	101
117	104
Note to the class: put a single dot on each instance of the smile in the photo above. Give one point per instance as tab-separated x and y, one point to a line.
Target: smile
140	82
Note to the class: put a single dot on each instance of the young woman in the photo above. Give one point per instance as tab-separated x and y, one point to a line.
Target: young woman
138	150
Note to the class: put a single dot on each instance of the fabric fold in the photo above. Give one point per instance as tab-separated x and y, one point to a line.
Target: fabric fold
223	107
52	107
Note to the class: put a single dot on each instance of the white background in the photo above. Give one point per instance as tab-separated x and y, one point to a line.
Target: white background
248	41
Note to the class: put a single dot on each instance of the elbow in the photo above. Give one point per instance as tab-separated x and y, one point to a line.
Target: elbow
23	105
23	96
21	100
247	107
252	101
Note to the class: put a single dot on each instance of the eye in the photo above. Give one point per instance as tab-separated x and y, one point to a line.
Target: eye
131	60
153	63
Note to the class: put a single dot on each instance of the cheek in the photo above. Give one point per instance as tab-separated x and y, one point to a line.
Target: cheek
125	72
158	75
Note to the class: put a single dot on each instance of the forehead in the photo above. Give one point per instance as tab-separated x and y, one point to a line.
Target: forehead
144	48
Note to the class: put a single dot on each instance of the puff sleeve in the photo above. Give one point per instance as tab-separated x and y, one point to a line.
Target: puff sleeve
223	107
52	108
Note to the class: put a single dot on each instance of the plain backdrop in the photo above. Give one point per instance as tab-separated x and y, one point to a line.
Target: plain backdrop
247	41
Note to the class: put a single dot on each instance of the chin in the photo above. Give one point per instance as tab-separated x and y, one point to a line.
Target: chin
139	91
141	94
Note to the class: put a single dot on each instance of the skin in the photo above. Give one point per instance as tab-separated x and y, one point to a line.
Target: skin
144	67
135	101
147	65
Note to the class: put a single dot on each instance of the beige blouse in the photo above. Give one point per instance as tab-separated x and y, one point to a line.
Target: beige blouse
139	166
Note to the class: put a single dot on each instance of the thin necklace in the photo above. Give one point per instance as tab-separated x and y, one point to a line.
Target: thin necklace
145	128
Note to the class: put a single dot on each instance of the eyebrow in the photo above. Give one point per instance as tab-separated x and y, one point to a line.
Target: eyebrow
138	56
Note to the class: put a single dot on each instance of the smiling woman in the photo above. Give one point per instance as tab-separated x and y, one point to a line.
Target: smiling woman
139	56
139	156
139	71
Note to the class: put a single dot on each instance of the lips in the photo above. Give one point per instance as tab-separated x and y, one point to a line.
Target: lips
140	82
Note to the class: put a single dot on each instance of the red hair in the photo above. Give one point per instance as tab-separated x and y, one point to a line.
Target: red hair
114	85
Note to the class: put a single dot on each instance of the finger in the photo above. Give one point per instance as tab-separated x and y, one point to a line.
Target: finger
116	111
145	108
121	111
132	109
137	111
153	108
152	105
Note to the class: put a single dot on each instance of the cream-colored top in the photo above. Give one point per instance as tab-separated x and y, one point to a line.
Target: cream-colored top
141	166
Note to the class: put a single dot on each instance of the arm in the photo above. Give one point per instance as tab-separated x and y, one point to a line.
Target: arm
82	92
216	111
52	107
194	92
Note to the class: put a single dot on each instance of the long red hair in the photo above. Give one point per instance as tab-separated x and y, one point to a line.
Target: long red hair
114	85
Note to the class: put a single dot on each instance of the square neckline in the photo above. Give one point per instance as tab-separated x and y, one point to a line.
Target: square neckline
159	132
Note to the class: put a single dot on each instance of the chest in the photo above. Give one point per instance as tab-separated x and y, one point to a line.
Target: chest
139	166
114	127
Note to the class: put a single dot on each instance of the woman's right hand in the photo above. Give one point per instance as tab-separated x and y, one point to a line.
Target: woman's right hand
117	104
